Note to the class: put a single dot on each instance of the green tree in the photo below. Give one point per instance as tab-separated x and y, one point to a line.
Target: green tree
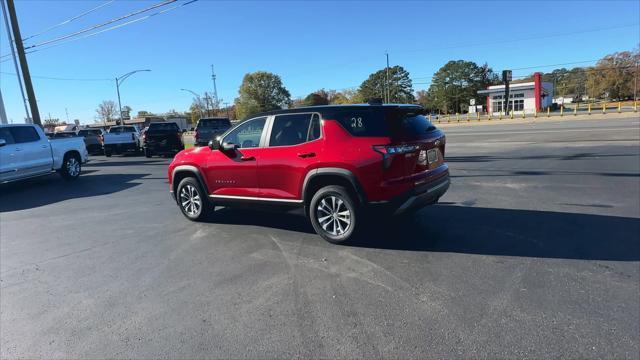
457	82
261	91
399	84
320	97
614	75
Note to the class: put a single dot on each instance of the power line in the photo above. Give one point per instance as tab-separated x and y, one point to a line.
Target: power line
107	29
166	2
68	20
59	78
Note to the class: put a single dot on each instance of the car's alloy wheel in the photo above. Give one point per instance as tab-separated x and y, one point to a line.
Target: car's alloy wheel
190	200
333	215
73	167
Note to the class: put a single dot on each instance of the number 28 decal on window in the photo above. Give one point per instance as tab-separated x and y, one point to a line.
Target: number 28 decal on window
356	122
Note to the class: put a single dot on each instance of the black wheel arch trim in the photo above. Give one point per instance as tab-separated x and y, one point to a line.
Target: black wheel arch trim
188	169
334	171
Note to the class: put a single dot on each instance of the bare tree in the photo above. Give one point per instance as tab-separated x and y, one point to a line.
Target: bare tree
107	110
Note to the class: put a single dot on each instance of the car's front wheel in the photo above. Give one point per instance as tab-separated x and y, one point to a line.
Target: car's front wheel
71	167
192	200
147	153
334	214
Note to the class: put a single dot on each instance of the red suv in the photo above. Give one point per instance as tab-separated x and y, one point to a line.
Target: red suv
338	162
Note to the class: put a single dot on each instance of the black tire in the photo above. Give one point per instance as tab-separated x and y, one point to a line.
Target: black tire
331	200
71	167
147	153
185	191
107	152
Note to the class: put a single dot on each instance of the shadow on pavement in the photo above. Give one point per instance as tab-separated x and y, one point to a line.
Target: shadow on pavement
486	231
51	189
103	163
480	231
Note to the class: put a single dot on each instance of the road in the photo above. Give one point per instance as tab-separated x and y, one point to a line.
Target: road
533	253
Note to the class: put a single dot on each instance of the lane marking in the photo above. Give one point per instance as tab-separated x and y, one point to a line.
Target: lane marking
538	131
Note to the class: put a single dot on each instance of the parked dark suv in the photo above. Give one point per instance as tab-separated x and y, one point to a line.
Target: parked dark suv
162	138
338	162
209	128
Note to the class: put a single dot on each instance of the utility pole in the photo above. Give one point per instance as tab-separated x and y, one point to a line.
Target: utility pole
35	114
3	113
387	92
15	61
215	89
635	84
506	78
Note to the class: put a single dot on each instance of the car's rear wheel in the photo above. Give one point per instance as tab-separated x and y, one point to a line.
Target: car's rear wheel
147	152
107	152
334	214
71	167
192	200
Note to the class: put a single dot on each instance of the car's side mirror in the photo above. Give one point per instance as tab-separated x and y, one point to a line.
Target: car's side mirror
228	146
214	144
3	142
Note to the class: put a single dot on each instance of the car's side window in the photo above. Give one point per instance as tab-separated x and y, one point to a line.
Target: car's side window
24	134
5	135
293	129
247	134
314	128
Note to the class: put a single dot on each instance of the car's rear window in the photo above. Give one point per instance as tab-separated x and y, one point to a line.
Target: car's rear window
214	123
397	123
88	132
122	129
162	127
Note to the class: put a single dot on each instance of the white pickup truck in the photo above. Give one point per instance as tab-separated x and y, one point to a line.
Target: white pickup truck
26	152
120	139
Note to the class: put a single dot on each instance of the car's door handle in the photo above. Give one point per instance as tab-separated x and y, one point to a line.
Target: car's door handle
44	146
18	149
306	154
247	158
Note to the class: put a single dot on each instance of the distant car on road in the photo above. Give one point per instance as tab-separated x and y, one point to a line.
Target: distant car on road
162	139
208	128
92	140
121	139
336	162
25	151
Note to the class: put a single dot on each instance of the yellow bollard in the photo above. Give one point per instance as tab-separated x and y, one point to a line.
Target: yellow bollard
635	106
619	107
468	116
523	114
478	116
589	109
488	116
575	110
561	110
604	107
500	115
511	114
549	111
448	118
458	117
535	113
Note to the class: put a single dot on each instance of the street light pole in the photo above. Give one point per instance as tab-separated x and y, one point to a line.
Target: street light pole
119	81
199	101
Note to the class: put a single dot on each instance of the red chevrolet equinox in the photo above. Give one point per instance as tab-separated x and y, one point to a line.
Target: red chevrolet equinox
338	162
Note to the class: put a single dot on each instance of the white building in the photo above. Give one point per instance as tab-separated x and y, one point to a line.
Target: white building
526	97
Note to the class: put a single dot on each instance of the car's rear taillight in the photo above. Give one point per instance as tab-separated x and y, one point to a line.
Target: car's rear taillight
389	151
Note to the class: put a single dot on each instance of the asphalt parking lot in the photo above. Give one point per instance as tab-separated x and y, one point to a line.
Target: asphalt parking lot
534	252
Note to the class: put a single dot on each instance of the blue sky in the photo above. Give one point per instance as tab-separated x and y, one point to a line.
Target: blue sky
311	45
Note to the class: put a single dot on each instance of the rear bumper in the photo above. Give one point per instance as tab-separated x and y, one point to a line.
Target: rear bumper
162	149
121	147
418	197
